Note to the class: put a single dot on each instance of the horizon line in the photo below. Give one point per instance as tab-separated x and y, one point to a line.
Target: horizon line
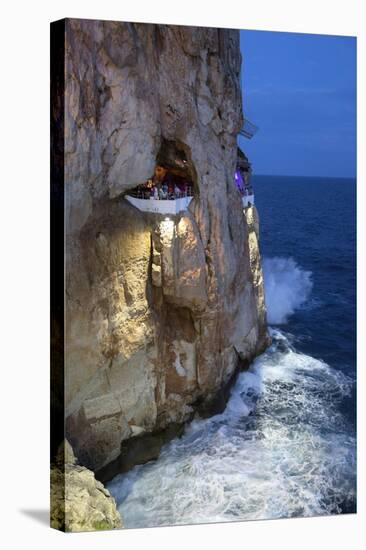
302	176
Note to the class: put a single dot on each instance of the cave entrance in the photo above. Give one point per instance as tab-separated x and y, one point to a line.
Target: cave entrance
171	187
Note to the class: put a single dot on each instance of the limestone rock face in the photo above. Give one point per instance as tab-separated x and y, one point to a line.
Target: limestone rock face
159	313
78	501
179	259
252	218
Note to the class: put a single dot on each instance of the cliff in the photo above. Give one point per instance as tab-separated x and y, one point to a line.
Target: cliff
78	501
160	315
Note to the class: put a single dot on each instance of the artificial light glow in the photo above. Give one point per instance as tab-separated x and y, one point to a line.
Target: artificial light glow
167	231
238	180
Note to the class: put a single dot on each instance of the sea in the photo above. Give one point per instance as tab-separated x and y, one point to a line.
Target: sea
285	446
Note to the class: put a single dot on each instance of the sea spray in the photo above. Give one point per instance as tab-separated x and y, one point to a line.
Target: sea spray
281	448
286	286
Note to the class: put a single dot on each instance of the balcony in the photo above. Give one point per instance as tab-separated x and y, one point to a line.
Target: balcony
248	200
170	206
248	129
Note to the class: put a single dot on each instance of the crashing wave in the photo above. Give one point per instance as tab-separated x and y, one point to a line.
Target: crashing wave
280	449
287	288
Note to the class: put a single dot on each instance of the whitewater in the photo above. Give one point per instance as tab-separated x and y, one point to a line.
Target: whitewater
282	447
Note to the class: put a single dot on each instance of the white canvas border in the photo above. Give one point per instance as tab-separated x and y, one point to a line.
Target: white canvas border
24	233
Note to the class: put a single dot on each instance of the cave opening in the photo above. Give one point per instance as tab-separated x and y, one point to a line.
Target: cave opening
172	186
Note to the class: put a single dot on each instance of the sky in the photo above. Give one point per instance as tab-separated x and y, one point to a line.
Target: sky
300	90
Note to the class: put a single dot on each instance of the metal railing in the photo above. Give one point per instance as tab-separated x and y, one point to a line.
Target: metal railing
161	195
248	129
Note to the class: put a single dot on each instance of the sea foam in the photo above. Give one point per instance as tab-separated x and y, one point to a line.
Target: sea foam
281	448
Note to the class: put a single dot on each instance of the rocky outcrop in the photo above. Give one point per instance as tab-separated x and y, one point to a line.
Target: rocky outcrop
252	218
160	314
78	501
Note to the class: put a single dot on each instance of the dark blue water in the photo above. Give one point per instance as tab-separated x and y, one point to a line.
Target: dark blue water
285	445
313	220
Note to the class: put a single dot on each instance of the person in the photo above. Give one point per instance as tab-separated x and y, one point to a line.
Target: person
159	174
165	190
176	191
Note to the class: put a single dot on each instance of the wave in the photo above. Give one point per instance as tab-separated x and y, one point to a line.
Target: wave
281	448
287	288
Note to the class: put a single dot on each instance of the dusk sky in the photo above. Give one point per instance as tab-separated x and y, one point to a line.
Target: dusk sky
300	90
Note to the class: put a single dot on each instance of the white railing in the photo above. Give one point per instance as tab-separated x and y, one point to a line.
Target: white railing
160	194
160	206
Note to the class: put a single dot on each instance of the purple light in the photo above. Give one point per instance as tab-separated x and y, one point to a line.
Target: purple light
238	180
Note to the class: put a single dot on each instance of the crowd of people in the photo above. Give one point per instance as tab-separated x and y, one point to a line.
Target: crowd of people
164	186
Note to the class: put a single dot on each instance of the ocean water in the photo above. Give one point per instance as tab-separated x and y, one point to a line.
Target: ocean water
285	446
